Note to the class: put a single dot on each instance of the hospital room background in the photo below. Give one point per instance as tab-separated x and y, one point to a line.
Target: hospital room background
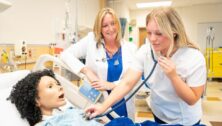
32	28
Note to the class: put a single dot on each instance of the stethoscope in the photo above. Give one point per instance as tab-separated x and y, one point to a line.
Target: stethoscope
105	59
136	90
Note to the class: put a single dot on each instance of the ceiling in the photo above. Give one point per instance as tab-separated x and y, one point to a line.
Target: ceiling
176	3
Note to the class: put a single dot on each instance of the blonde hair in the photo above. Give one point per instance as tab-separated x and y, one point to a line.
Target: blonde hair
171	25
97	29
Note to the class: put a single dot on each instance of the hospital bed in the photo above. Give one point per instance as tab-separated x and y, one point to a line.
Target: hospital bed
9	114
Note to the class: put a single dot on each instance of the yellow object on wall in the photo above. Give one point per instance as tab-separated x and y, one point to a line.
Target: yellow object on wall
4	57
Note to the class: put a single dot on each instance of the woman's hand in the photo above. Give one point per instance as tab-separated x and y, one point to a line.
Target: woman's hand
188	94
94	110
167	66
102	85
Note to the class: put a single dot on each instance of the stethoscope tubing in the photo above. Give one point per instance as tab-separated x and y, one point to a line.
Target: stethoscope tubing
135	91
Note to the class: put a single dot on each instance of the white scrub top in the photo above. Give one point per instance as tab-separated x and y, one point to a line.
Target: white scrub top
165	104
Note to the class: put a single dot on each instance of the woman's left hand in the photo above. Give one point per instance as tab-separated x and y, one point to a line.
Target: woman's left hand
102	85
167	66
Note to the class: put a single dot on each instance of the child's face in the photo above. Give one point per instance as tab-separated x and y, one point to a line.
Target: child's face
51	95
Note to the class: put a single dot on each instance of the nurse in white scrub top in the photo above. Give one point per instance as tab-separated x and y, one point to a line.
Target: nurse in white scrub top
107	55
178	81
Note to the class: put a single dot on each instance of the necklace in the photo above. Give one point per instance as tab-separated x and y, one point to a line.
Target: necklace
110	54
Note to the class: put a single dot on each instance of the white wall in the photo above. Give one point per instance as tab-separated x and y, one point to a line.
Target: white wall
140	17
194	15
191	16
120	8
87	11
122	11
37	21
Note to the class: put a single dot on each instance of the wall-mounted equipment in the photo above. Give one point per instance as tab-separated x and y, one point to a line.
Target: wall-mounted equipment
20	49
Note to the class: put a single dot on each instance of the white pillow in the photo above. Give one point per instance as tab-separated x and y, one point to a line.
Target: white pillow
9	114
11	78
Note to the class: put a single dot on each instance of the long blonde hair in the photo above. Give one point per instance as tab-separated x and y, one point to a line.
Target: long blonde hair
171	25
97	29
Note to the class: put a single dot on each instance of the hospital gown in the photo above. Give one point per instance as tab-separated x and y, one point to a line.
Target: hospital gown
70	117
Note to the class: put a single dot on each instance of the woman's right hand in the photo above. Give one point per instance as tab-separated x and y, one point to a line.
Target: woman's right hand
94	111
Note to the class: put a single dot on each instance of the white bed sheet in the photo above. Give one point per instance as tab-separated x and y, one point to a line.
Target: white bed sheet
9	114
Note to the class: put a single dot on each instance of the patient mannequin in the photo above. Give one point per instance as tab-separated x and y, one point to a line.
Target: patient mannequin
39	98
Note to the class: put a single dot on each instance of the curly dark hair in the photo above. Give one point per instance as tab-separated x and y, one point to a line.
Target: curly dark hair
24	95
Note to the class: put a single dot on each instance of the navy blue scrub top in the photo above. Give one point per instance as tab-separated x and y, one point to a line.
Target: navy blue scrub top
115	68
